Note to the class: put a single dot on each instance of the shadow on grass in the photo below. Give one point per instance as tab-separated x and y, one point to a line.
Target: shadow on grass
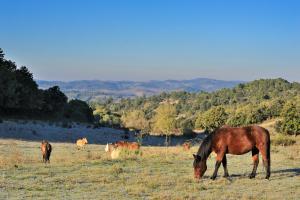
291	172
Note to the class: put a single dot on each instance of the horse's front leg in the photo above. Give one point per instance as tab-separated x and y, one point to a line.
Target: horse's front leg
217	165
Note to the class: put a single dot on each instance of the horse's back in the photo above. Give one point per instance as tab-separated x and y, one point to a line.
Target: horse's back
80	143
240	140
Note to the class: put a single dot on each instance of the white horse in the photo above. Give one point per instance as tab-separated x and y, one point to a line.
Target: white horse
114	151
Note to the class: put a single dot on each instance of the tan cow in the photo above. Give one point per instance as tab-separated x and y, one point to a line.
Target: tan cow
81	143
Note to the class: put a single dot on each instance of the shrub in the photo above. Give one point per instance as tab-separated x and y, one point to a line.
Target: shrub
212	119
79	111
187	126
249	114
283	140
290	114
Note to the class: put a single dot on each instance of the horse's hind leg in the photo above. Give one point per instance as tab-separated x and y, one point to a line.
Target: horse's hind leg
224	163
265	152
255	158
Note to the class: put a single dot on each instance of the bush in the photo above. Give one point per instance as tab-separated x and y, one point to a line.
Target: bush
249	114
79	111
283	140
1	121
212	119
186	127
290	123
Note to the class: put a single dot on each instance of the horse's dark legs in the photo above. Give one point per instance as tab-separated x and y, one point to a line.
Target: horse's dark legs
224	163
266	160
48	158
219	159
255	158
217	165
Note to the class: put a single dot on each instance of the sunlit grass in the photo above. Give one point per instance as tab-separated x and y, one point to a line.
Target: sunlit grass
155	173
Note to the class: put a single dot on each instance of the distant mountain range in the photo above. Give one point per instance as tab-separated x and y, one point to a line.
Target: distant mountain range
96	90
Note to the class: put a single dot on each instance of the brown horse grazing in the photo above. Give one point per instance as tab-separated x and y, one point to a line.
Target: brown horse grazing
46	151
237	141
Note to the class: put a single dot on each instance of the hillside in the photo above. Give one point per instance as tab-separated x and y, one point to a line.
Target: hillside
244	104
95	90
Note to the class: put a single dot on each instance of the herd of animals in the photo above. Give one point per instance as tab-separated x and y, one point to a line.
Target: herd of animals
225	140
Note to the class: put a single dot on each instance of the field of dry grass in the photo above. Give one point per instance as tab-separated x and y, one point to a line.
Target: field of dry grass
156	173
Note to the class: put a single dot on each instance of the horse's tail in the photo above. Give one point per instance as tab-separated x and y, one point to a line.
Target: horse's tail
268	152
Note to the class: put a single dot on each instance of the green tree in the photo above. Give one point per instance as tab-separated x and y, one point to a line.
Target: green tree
54	100
290	114
78	110
135	119
164	120
212	119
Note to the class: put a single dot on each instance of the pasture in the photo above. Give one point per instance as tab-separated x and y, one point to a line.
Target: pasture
153	173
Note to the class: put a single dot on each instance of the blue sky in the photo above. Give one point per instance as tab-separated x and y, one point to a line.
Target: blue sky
151	39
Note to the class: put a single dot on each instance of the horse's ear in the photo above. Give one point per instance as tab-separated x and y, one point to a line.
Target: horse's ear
197	157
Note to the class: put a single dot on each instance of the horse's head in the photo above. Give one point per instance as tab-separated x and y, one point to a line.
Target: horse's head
199	166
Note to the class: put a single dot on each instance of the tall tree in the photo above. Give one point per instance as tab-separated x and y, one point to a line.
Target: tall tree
164	120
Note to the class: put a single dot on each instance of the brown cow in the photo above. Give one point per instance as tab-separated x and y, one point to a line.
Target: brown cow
127	145
186	146
46	151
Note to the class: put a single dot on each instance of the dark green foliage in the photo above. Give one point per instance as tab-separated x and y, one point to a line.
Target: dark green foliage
54	100
20	96
186	126
78	110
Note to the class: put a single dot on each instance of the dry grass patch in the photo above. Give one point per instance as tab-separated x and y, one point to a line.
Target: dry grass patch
155	173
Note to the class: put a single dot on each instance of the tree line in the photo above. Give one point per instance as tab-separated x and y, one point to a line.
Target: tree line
181	112
173	113
21	97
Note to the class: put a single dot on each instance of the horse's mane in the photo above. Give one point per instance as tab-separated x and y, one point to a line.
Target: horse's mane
205	148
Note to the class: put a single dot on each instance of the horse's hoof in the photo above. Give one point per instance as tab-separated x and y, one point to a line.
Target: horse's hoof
251	176
226	176
213	178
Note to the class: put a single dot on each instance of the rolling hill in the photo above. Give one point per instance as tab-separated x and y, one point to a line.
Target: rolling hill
95	90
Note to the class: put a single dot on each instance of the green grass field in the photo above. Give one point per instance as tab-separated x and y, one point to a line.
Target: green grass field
156	173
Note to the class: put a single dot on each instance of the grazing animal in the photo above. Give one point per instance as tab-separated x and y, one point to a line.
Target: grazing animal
46	149
116	148
186	146
109	147
113	150
237	141
81	143
127	145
